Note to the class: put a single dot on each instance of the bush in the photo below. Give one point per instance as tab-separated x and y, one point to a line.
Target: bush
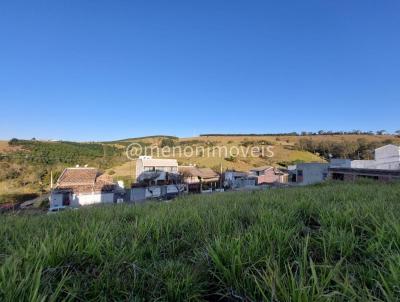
167	142
231	158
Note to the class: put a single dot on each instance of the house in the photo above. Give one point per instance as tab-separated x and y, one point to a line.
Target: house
384	167
83	186
308	173
386	158
156	171
268	175
150	164
199	179
236	179
351	174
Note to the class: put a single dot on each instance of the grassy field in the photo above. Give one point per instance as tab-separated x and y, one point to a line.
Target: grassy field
331	242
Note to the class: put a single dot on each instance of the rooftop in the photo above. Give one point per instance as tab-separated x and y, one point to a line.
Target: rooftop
84	180
159	162
198	172
262	168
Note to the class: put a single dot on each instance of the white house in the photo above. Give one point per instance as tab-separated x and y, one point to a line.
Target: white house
386	158
146	164
83	186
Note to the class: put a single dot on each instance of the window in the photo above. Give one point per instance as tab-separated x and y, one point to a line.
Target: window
300	173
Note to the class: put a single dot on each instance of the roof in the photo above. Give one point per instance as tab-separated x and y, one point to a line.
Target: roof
77	176
159	162
262	168
84	180
192	171
366	171
208	173
281	172
236	172
315	164
386	146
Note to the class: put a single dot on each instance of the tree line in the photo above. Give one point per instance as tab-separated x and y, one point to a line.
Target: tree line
308	133
357	149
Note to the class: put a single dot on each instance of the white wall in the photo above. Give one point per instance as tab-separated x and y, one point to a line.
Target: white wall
388	153
82	199
139	167
386	157
56	200
87	199
363	164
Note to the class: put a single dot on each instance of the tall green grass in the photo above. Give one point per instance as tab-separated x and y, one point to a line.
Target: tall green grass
333	242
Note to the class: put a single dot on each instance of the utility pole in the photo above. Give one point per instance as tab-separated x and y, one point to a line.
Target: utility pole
220	178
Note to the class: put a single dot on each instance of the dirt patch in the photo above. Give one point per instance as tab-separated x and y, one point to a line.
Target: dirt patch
5	147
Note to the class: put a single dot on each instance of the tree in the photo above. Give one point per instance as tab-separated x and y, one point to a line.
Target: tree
167	142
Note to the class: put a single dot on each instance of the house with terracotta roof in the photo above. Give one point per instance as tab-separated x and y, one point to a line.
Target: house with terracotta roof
83	186
199	179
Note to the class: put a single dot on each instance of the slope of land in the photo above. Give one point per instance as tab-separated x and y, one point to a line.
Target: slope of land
332	242
287	149
26	166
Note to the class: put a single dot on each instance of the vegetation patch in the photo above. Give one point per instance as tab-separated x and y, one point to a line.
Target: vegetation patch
330	242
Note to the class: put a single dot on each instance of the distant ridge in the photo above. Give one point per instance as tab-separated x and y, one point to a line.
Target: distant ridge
303	133
251	134
145	137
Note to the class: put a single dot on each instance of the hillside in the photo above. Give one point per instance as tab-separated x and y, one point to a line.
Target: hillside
332	242
287	149
26	166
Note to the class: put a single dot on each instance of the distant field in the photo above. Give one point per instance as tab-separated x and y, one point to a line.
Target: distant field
332	242
291	139
284	154
4	147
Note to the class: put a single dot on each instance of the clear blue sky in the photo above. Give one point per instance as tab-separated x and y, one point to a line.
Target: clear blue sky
97	70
